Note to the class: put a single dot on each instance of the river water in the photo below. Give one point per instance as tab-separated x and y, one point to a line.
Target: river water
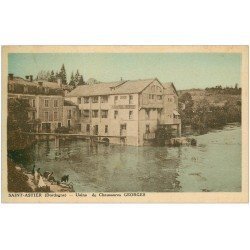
213	165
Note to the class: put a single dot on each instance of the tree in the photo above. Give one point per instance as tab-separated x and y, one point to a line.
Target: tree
18	114
77	77
52	77
187	113
63	75
81	81
92	81
72	80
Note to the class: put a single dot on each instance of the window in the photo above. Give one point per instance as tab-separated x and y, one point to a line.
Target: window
130	99
46	116
106	128
116	98
95	99
115	114
79	127
85	113
130	115
55	116
170	99
147	128
152	97
59	124
147	113
159	97
104	99
69	123
55	103
33	115
123	128
123	97
69	114
33	103
94	113
46	103
80	113
104	113
88	128
95	130
86	99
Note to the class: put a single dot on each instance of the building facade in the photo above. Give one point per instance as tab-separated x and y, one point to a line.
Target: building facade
45	99
126	112
70	116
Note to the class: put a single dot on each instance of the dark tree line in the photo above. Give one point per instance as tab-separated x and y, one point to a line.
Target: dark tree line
226	90
52	76
204	116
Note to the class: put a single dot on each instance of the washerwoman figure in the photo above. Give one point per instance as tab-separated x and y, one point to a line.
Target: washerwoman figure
37	175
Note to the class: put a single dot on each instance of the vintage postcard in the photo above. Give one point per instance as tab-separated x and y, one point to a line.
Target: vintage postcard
132	124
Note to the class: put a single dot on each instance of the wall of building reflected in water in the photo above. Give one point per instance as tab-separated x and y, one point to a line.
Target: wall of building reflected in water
213	165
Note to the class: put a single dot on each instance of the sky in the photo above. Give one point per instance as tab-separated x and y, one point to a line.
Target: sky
185	70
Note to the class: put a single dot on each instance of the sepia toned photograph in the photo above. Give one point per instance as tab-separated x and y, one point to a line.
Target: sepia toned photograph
125	124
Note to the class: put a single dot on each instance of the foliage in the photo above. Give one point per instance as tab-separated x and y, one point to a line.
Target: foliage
161	135
63	75
18	114
17	122
226	90
17	181
72	80
205	115
52	77
43	75
187	112
81	81
75	79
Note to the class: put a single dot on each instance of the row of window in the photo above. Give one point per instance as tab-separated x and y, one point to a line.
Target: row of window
96	128
55	115
148	112
103	99
155	97
104	113
155	88
46	103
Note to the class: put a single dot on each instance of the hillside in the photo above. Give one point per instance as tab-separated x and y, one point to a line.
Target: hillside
213	97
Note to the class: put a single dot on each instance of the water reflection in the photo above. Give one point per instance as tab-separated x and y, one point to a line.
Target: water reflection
214	165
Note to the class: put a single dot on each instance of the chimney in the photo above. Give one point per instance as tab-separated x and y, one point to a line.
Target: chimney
31	78
27	78
11	77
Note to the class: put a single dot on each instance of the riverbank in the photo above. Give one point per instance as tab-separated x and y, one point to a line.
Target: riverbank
21	180
187	131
